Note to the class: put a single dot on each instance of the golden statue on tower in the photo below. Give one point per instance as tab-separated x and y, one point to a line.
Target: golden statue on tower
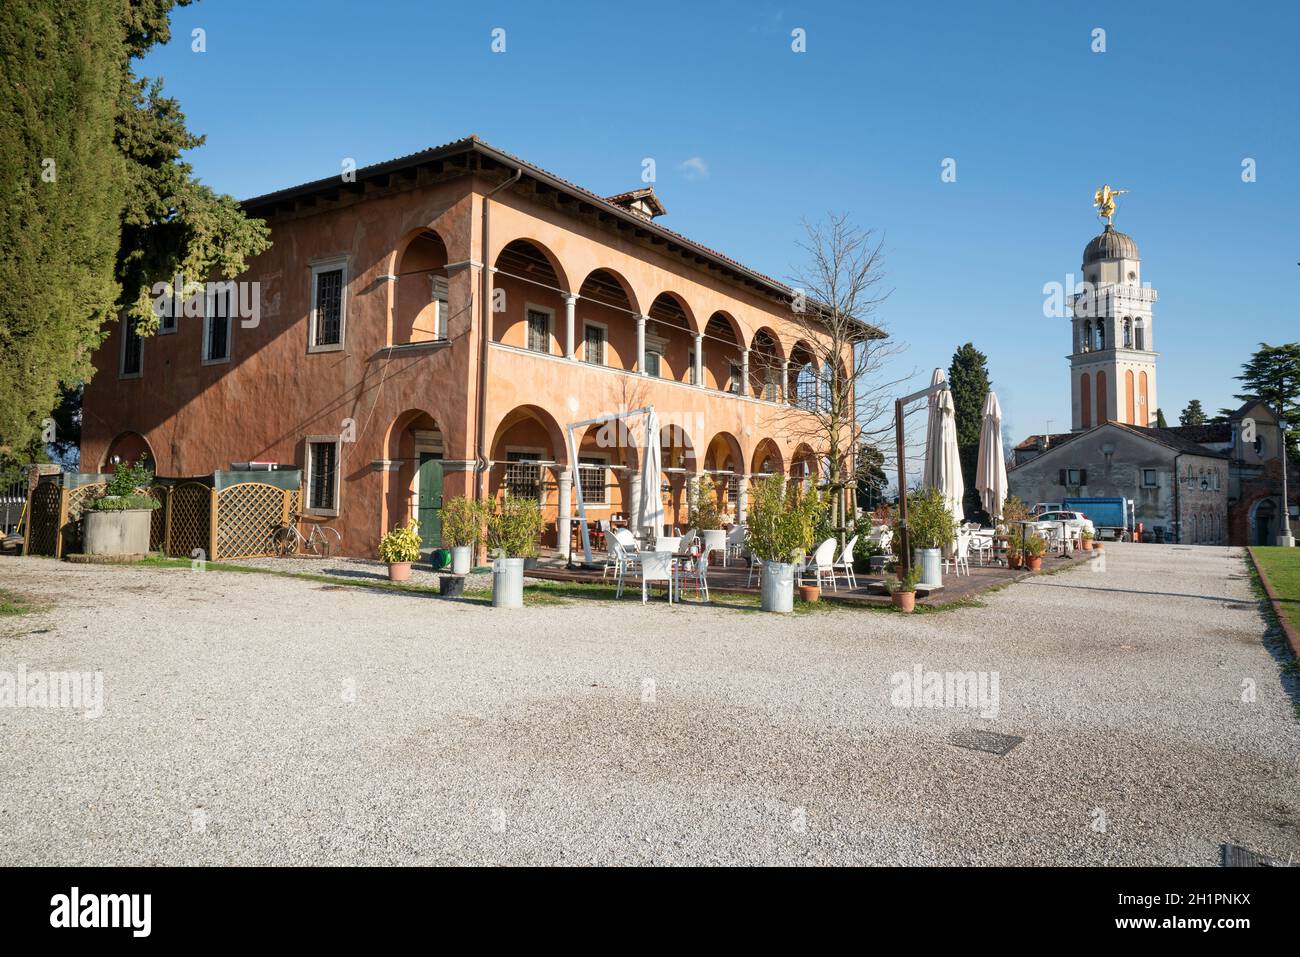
1104	200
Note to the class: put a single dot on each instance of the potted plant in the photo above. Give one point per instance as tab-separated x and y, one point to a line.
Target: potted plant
462	530
1015	547
514	526
399	548
118	522
781	522
931	528
1036	547
902	592
1085	539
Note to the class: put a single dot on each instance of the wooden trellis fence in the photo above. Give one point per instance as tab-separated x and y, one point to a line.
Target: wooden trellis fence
237	521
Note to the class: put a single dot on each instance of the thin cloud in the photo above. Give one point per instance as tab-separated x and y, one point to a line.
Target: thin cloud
694	168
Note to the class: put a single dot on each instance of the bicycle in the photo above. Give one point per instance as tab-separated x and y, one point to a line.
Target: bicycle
286	539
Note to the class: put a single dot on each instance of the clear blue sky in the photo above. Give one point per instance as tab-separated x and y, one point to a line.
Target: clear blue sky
860	123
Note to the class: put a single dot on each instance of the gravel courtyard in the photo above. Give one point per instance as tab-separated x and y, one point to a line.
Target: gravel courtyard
253	719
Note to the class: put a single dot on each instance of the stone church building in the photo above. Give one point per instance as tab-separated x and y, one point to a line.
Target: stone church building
1215	484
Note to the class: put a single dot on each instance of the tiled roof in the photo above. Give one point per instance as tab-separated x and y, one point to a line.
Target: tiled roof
1054	439
474	143
1210	432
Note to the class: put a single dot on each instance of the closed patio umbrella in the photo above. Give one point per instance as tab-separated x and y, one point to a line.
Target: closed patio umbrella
991	469
942	459
651	507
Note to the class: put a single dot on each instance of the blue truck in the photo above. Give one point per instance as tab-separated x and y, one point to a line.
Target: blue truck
1112	514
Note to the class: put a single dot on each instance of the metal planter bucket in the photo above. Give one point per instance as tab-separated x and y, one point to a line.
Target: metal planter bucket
460	560
508	583
929	561
778	587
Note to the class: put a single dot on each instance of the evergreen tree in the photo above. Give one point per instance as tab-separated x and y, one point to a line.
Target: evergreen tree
96	202
62	190
870	477
1160	419
1273	374
1193	414
968	377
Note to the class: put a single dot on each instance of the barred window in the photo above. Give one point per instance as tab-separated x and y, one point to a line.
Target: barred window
591	476
322	475
690	367
523	475
539	331
593	347
734	386
132	348
652	363
732	490
327	308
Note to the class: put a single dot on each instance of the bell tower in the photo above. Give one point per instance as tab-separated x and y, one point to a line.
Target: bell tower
1112	356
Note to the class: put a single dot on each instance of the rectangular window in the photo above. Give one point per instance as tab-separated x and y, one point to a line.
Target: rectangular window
593	344
653	363
167	321
328	306
690	367
734	385
1149	478
523	475
216	326
132	363
1073	477
732	490
440	298
771	388
539	331
323	475
591	475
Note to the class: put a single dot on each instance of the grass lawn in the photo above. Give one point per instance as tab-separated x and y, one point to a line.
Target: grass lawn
11	604
1282	566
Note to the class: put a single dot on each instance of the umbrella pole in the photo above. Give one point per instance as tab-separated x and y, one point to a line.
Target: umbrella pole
905	551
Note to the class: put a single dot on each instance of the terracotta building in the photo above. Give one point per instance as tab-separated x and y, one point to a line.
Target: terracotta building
379	355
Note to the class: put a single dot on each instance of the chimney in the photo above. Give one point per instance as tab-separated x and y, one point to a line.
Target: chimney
639	202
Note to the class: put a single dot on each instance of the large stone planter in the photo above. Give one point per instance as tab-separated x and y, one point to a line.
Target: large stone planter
778	587
508	583
120	532
930	562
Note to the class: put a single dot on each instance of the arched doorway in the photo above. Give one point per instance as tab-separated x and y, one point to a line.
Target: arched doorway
128	447
413	480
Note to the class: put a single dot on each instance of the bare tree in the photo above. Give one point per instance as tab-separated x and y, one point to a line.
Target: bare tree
846	399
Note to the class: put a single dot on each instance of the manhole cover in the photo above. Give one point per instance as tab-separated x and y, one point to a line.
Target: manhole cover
988	741
1237	856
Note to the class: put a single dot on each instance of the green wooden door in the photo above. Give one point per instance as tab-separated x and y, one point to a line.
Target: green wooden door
429	512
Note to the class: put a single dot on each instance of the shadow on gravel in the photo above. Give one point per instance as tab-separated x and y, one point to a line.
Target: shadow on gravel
1221	599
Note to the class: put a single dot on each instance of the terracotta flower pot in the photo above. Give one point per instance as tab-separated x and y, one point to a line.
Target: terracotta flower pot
399	571
810	592
1087	544
1035	563
904	601
1014	560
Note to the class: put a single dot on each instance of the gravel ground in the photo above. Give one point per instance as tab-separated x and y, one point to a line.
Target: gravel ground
254	719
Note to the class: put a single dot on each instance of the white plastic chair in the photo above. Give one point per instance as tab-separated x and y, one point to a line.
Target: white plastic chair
715	540
961	554
822	564
845	563
687	541
624	562
627	540
656	567
735	543
693	573
981	543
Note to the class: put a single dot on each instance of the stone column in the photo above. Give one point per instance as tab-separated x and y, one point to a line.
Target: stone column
570	305
742	500
785	382
699	359
564	480
640	345
744	372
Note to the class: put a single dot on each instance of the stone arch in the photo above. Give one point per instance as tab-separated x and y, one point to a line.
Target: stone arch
1085	401
607	303
528	279
413	437
419	312
128	447
724	340
766	357
767	459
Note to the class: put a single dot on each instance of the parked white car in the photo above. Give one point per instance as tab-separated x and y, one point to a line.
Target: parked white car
1041	507
1076	521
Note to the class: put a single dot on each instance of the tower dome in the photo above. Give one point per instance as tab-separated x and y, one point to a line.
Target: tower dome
1111	244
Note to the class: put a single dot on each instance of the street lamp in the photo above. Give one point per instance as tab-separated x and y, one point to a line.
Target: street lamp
1284	538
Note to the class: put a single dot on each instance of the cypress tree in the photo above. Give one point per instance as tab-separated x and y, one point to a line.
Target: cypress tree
968	377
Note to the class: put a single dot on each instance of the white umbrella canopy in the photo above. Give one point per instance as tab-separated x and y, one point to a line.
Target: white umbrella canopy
991	469
930	476
942	459
651	506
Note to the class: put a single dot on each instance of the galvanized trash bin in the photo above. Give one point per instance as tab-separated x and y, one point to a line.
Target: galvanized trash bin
508	583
